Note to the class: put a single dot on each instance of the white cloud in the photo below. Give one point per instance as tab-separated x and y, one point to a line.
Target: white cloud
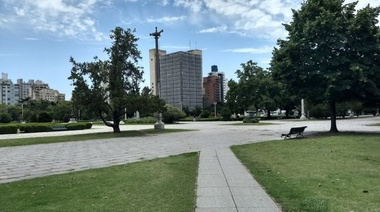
261	50
62	18
262	19
31	39
193	5
364	3
166	19
222	28
165	2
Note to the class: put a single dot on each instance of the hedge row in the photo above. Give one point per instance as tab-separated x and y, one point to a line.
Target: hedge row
41	127
8	129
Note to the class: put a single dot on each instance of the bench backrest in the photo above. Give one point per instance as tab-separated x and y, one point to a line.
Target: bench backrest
295	130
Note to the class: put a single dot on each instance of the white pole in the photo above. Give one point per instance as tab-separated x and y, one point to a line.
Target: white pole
303	117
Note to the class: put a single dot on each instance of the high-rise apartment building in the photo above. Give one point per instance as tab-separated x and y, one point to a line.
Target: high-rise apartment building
9	91
153	72
181	79
12	94
214	86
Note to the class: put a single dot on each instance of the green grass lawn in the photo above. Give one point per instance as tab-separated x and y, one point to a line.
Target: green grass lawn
337	173
252	124
166	184
377	124
83	137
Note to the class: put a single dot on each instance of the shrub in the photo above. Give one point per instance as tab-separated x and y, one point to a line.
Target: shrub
226	114
147	120
172	114
5	118
205	114
35	127
8	129
76	126
44	117
320	111
88	125
250	120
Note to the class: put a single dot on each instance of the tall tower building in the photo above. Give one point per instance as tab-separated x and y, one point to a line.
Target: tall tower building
181	79
214	86
9	91
152	64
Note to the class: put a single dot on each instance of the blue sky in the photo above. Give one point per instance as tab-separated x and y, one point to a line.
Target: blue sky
37	37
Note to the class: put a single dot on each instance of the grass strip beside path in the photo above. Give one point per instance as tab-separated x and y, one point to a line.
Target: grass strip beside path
83	137
167	184
337	173
252	124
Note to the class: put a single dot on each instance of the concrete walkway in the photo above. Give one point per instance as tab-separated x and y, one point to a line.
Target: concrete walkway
223	182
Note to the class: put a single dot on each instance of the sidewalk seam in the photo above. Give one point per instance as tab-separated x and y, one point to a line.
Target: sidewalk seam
225	178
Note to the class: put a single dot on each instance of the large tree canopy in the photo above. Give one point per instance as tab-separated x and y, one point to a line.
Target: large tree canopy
107	87
332	54
255	89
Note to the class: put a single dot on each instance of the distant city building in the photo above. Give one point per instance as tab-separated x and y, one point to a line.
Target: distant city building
25	90
9	91
215	86
12	94
181	79
152	63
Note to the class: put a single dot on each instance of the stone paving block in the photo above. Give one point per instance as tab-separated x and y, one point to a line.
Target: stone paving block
215	202
246	191
216	210
258	210
213	191
211	181
262	201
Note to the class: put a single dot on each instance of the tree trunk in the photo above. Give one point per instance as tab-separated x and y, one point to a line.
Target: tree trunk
116	128
268	114
116	123
333	127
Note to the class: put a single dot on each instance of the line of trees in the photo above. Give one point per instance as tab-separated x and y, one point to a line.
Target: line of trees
36	111
331	57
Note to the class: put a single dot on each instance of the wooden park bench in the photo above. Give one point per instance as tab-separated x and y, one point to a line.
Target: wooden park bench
59	128
298	131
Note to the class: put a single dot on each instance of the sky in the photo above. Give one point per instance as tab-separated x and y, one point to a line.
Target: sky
37	37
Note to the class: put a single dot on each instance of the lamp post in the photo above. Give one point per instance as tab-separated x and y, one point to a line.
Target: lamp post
215	108
159	124
22	112
156	36
303	117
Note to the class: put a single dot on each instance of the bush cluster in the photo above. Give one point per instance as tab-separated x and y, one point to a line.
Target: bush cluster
35	127
205	114
8	129
250	120
5	118
147	120
78	126
41	127
172	115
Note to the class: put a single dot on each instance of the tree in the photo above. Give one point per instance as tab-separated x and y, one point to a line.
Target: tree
232	97
113	82
332	54
225	113
62	111
255	88
172	114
